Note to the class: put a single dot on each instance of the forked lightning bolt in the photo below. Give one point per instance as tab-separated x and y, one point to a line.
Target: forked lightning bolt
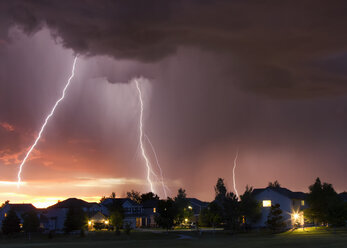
157	161
143	151
46	121
235	164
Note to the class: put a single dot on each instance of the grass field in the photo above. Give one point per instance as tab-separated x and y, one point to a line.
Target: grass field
322	237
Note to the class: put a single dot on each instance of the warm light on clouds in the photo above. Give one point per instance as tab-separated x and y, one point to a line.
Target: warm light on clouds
8	127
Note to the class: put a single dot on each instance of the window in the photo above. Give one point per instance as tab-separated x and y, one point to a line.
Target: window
302	203
266	203
154	210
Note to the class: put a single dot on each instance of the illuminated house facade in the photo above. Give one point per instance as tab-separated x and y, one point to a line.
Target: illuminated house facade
133	212
291	203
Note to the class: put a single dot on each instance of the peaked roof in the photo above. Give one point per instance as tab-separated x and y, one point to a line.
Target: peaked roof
108	201
283	191
22	207
197	202
71	202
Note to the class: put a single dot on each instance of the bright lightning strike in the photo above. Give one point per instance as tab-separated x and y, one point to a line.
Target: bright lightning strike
235	164
45	123
143	152
157	161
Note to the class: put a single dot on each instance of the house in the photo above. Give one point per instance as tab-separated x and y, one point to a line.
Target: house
291	204
133	212
197	206
149	212
19	209
56	213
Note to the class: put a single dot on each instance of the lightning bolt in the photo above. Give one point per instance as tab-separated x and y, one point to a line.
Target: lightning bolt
235	164
157	161
143	151
45	123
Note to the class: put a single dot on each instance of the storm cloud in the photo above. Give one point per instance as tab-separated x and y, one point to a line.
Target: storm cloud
279	48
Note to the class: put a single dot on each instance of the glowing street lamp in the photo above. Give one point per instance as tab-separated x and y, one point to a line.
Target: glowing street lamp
106	222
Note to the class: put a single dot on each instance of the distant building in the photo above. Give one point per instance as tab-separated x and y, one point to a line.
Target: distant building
19	209
291	203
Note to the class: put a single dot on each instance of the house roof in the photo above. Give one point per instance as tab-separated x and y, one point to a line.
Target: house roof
283	191
71	202
23	208
108	201
197	202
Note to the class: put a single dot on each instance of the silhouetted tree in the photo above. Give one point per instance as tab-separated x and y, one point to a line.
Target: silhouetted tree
231	211
149	196
275	219
10	223
75	219
211	216
167	213
181	204
134	196
250	208
5	203
31	223
274	184
325	205
116	215
220	191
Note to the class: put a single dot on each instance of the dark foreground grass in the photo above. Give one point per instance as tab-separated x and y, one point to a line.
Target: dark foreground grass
312	237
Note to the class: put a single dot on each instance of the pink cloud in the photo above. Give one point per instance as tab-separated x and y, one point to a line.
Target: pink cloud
8	127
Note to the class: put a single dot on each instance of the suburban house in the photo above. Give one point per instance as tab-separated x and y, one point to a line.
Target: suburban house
133	212
197	206
56	213
291	204
149	213
19	209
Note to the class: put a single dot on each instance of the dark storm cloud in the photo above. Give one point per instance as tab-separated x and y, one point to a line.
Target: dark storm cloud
276	46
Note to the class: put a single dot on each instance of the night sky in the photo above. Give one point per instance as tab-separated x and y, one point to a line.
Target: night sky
267	78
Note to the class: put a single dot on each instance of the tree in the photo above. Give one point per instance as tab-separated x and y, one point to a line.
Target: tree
231	211
220	191
250	208
275	219
274	184
325	205
167	213
31	222
181	203
211	216
149	196
113	195
134	196
5	203
116	215
10	223
75	219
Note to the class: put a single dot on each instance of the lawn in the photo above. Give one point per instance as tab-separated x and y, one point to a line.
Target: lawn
322	237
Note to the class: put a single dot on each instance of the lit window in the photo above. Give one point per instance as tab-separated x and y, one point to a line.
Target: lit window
302	203
154	210
5	214
266	203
